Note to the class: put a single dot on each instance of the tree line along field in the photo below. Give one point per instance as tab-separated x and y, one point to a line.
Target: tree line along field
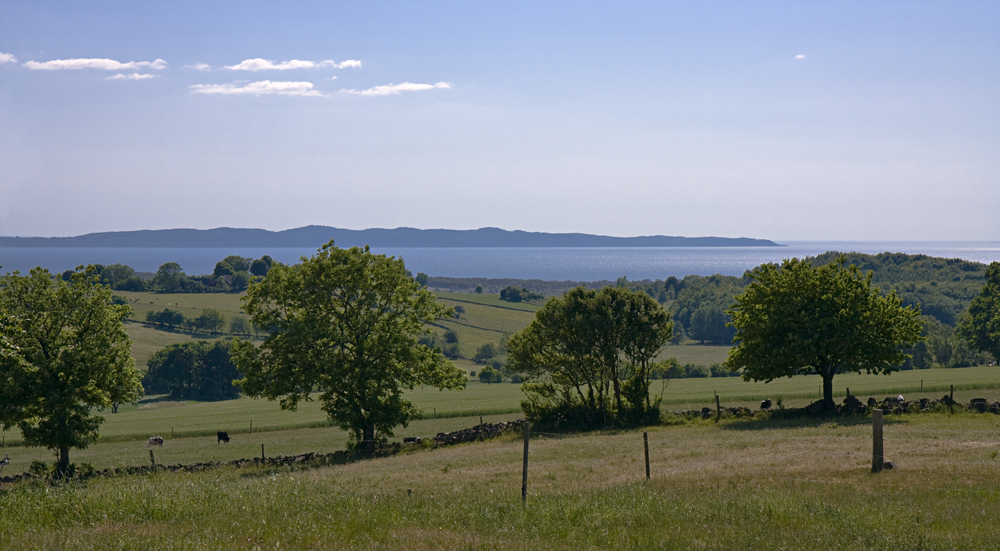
802	484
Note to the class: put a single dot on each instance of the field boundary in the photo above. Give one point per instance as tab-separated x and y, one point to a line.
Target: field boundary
489	305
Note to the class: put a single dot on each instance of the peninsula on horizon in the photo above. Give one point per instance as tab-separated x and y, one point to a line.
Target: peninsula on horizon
315	236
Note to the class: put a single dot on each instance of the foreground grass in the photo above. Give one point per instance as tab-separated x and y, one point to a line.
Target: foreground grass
714	486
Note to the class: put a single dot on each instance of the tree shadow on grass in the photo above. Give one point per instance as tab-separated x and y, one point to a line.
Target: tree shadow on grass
806	422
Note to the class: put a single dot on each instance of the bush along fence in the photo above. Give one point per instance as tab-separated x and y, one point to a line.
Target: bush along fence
483	431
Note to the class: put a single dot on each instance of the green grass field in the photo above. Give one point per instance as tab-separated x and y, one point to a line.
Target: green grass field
729	485
193	422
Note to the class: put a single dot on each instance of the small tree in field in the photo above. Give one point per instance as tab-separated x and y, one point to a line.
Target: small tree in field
796	319
344	323
63	353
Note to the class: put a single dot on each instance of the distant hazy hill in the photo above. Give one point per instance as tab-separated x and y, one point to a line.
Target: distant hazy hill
314	236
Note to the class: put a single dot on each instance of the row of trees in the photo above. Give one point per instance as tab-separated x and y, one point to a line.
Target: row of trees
210	321
514	294
231	274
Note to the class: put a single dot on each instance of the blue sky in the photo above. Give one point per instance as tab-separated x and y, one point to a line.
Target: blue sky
781	120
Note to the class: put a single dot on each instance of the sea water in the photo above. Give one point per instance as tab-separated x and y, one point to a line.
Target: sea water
554	264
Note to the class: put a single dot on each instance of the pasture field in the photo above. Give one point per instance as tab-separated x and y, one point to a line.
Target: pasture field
688	352
190	304
146	340
489	300
801	484
190	426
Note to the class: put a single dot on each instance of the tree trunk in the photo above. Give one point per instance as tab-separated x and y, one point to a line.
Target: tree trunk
828	390
369	439
62	467
618	389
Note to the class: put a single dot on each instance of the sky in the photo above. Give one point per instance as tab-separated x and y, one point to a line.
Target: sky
788	120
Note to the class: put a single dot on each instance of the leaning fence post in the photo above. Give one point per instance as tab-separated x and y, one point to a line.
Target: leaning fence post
524	470
645	444
877	458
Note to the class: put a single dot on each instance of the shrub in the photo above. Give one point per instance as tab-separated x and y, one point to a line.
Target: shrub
485	353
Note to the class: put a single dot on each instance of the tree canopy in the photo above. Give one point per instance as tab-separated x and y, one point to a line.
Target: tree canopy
63	352
981	326
586	357
169	277
798	319
344	323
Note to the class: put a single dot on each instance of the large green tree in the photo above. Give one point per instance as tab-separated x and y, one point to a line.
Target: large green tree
586	356
344	323
798	319
169	278
981	327
66	353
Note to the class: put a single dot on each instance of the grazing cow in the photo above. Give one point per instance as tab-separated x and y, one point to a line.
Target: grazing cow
223	437
765	403
155	441
900	399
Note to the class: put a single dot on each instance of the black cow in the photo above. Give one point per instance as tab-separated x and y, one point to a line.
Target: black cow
765	403
223	437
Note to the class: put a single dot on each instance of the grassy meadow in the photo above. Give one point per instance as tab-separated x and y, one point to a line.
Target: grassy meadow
189	427
731	485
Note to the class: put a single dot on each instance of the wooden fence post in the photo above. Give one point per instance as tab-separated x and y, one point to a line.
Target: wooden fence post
251	426
952	394
152	459
524	471
645	444
262	458
877	458
718	408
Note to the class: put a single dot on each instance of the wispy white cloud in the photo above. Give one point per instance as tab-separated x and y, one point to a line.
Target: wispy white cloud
133	76
396	89
105	64
800	56
7	58
199	67
264	87
258	64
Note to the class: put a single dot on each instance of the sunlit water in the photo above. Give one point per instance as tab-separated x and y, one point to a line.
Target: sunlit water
576	264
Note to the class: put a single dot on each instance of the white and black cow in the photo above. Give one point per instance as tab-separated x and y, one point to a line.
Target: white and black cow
155	441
